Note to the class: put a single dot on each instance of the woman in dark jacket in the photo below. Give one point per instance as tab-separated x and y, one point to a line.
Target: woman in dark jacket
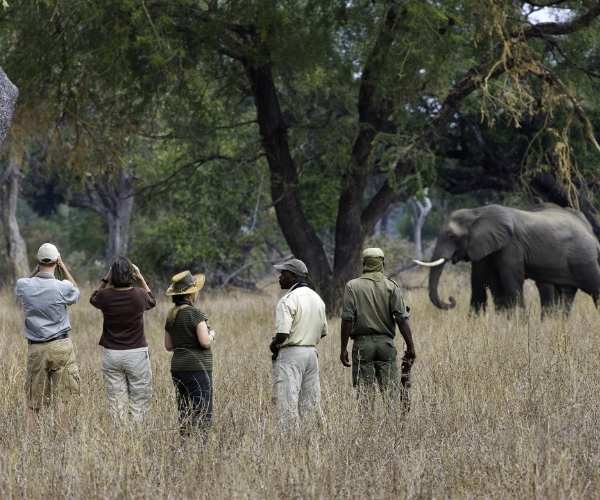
189	337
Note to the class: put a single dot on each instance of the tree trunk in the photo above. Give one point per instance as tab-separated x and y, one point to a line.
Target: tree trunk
297	230
8	98
112	197
118	228
15	244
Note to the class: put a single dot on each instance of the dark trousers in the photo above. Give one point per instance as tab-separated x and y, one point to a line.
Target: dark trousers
194	399
374	363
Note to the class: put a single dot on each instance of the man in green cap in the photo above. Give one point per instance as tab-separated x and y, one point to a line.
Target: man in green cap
373	306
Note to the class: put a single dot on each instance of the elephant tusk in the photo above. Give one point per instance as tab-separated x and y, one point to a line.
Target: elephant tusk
435	263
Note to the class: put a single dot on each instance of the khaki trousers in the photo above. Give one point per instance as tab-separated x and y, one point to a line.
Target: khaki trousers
128	380
51	372
296	386
374	365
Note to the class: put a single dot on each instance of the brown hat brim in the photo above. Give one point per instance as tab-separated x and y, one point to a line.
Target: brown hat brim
199	278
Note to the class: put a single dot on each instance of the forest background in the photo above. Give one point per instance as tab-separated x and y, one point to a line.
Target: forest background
221	136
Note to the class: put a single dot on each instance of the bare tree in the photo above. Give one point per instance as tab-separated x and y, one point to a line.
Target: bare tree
10	182
420	209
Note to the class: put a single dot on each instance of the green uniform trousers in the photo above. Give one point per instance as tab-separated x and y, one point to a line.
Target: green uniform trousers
374	361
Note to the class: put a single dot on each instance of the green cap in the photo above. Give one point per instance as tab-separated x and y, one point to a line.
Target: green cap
372	252
295	266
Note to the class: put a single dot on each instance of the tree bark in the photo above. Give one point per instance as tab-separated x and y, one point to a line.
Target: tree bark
112	197
8	99
9	197
118	221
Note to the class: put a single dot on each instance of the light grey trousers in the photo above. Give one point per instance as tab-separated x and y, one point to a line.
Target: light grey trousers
128	380
296	386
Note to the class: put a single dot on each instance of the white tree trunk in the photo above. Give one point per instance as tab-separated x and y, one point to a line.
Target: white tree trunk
9	197
420	211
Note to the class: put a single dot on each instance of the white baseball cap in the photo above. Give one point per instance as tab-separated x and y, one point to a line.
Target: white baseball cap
48	254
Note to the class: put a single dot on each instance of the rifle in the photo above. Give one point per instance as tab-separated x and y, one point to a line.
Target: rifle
405	381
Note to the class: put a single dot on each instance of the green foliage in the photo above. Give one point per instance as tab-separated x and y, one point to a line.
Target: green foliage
159	88
79	234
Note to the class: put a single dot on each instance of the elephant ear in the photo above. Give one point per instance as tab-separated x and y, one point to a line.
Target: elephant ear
490	232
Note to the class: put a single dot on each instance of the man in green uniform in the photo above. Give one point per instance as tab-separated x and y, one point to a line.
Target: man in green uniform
373	306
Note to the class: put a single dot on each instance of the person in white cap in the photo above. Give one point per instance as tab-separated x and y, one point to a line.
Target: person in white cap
373	306
300	323
51	366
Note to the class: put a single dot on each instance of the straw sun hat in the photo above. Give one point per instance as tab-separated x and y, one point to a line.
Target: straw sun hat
184	283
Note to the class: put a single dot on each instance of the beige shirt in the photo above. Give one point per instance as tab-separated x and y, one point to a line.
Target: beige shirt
300	313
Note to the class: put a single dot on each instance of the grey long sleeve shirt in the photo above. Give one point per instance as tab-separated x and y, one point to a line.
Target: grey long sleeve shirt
44	300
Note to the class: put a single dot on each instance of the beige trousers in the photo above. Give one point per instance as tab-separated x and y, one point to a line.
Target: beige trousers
296	386
52	372
128	380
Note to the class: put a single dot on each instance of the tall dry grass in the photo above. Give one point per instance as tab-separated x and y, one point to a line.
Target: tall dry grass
501	408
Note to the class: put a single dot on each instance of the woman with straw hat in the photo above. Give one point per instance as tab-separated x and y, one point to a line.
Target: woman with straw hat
188	336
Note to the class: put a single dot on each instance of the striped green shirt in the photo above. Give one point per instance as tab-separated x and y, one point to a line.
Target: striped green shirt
188	354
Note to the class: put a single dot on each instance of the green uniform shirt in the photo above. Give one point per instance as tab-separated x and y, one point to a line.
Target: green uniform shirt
188	354
371	302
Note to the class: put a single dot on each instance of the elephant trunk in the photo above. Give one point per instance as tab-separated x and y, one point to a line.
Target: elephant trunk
434	280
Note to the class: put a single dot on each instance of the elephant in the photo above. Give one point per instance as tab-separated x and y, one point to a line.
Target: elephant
553	246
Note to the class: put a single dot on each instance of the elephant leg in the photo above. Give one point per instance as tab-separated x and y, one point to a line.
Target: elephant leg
497	291
511	275
509	291
566	296
478	292
587	278
548	296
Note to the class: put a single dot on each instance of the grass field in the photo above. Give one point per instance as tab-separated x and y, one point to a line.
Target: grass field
501	408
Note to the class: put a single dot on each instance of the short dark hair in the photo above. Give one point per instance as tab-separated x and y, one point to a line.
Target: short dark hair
121	273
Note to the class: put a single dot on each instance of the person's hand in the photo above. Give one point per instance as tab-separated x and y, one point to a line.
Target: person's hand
344	358
107	275
274	347
136	271
410	354
407	361
211	335
59	262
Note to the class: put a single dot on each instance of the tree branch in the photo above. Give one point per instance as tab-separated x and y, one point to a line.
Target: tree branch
163	184
540	30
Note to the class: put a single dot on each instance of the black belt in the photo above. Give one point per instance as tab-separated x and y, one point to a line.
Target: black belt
60	337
